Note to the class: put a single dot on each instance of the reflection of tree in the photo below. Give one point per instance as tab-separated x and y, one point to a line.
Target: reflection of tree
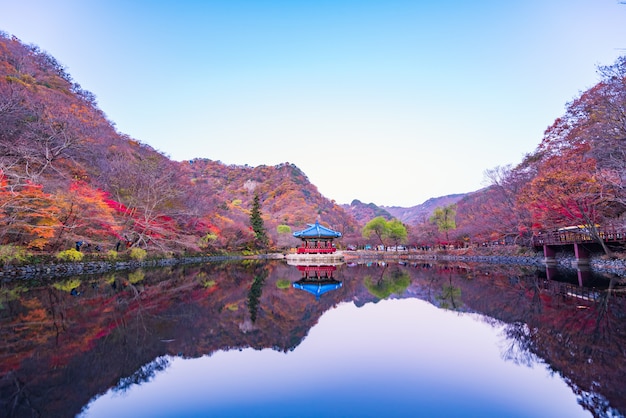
606	320
56	344
143	375
395	282
576	331
450	297
10	293
520	349
255	293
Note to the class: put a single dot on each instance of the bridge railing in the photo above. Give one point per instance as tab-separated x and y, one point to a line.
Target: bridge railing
576	236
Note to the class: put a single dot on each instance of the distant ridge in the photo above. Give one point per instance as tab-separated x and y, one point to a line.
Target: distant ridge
364	212
420	213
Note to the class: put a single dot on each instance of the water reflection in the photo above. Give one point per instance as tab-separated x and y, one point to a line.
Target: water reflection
122	330
317	279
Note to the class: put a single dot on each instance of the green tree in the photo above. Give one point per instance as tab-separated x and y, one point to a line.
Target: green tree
385	230
396	231
378	227
284	236
256	221
445	218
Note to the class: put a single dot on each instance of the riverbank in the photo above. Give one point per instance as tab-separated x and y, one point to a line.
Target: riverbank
65	269
597	263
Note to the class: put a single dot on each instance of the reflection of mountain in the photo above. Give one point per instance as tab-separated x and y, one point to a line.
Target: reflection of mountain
55	344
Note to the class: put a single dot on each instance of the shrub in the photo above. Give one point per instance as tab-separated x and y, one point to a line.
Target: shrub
70	255
208	284
138	253
111	255
12	254
136	276
207	240
68	285
283	229
283	284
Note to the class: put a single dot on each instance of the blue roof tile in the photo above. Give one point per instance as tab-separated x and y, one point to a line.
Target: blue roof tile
317	231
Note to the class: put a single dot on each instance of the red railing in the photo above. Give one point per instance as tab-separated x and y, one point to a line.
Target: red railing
313	250
578	236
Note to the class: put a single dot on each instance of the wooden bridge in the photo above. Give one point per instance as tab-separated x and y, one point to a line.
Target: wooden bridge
579	238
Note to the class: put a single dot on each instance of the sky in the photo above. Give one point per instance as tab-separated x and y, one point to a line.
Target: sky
391	102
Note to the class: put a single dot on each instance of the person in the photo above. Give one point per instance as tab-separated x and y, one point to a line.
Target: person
78	245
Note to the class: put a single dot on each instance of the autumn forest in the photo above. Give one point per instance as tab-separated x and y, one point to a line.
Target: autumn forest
67	175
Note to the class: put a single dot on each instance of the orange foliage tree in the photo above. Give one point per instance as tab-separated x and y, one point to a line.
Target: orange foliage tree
85	213
29	215
569	190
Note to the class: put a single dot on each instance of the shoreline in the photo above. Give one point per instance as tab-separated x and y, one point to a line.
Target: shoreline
9	273
596	263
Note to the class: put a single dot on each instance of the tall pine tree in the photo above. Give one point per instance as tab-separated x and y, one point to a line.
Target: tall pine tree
256	221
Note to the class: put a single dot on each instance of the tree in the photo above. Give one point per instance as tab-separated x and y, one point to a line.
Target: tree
445	218
393	230
378	227
568	191
396	232
28	215
148	194
594	125
285	238
256	221
84	212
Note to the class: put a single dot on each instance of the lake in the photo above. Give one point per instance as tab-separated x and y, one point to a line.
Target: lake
264	338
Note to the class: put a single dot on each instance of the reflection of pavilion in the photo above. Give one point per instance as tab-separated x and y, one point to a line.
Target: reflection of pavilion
317	280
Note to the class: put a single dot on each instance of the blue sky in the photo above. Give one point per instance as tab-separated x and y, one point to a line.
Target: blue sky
391	102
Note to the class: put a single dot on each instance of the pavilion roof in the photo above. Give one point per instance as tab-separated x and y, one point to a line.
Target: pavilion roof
317	231
317	287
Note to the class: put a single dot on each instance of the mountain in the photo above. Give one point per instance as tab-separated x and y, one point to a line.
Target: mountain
421	213
287	195
67	175
363	213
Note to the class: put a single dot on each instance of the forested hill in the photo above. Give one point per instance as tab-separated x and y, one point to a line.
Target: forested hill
67	175
288	196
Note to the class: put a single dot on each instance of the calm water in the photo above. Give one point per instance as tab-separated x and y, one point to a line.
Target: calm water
270	339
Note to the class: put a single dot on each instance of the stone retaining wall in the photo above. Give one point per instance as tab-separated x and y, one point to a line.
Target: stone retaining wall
565	260
54	270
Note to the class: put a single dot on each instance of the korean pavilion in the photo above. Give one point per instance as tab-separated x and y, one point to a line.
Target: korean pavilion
317	239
